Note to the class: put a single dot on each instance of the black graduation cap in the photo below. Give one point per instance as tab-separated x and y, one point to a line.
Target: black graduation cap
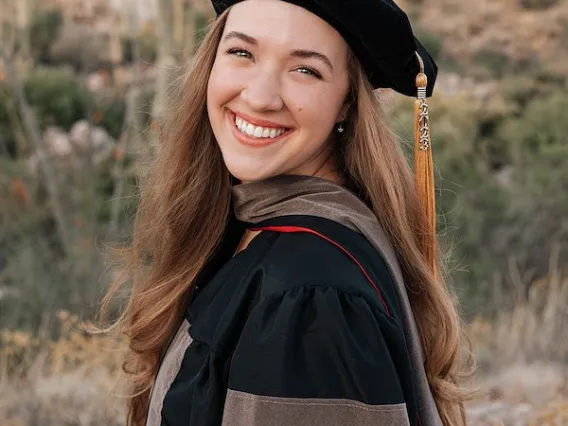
379	33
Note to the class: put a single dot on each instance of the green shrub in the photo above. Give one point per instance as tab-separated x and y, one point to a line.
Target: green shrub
44	31
33	267
57	96
495	61
520	90
501	168
147	44
538	4
127	50
432	42
80	47
542	124
7	140
109	114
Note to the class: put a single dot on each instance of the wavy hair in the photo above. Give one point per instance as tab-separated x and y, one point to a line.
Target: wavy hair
183	213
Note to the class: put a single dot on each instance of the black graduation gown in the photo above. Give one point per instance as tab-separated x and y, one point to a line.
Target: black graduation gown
300	328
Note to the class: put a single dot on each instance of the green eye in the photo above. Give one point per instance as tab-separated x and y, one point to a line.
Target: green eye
309	71
241	53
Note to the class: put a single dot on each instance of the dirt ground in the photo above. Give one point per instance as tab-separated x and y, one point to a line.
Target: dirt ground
523	395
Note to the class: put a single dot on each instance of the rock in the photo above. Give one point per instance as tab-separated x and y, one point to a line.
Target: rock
500	413
79	133
122	76
85	138
100	139
6	292
57	142
96	82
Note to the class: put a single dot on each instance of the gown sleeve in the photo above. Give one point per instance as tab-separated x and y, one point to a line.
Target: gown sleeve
314	356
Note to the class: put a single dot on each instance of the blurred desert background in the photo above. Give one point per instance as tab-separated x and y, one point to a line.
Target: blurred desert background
83	85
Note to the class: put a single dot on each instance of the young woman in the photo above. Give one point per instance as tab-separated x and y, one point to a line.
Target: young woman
280	275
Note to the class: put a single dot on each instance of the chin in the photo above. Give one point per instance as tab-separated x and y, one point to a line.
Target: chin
249	173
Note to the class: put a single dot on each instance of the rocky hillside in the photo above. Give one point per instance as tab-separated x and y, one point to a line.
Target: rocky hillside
511	35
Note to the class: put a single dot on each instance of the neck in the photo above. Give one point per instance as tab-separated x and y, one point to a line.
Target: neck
330	170
327	167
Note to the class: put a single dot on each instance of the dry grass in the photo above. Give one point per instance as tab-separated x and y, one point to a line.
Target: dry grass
71	380
531	321
523	352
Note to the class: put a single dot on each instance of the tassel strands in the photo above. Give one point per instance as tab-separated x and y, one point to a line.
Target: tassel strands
424	168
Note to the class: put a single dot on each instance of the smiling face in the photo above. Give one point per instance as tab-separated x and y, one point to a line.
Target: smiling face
277	90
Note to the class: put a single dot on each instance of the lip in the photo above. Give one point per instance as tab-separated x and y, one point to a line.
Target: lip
258	122
249	140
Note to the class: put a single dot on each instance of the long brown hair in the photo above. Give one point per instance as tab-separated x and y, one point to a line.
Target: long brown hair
184	209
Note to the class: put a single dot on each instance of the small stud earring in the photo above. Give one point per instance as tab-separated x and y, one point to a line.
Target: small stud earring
340	128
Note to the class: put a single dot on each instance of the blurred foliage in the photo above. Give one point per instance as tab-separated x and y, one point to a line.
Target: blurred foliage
45	29
36	276
7	108
80	47
146	44
432	42
57	96
538	4
494	62
502	173
109	114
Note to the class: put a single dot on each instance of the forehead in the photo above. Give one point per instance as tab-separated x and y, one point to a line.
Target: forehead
280	23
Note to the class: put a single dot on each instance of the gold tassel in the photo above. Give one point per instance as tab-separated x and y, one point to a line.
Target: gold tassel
424	169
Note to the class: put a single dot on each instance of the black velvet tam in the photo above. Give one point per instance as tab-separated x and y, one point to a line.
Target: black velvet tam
381	36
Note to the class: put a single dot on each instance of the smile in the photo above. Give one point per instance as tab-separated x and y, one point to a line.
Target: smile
257	131
261	134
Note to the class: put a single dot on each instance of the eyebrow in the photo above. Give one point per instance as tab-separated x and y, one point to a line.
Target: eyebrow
304	54
241	36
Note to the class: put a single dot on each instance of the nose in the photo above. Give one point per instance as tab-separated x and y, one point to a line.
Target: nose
262	93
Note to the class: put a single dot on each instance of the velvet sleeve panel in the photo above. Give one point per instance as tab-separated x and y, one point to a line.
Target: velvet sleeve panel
315	355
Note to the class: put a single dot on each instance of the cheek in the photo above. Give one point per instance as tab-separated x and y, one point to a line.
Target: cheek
315	111
221	87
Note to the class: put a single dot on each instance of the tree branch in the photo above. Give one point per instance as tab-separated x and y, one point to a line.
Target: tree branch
32	129
130	129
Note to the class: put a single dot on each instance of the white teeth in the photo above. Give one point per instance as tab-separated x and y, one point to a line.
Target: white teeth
257	131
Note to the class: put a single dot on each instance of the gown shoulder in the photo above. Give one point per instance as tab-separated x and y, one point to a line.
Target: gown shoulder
313	355
329	256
